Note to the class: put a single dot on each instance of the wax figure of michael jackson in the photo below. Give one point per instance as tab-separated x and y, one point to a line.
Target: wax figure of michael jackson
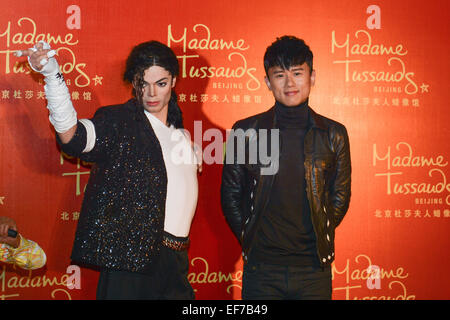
142	191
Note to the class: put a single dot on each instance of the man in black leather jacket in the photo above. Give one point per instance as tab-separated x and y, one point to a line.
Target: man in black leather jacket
284	208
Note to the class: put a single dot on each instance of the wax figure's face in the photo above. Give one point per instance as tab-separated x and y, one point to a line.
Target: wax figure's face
157	88
290	86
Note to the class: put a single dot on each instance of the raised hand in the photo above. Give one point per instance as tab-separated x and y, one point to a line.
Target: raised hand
41	58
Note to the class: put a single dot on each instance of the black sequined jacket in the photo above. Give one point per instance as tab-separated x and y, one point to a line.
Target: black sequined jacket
122	216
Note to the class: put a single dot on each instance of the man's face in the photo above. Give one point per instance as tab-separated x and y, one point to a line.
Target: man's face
290	86
157	88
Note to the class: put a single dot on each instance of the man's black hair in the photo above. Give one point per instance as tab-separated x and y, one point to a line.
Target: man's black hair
287	51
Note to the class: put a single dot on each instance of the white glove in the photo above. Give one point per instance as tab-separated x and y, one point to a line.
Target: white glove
51	66
62	113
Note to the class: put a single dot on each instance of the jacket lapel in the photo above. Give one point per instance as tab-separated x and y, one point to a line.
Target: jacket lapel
267	122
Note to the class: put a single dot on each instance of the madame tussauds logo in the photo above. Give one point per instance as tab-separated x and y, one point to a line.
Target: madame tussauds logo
201	40
383	283
26	34
405	158
10	282
363	46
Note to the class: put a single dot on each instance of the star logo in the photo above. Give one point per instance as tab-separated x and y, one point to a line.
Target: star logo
424	87
97	80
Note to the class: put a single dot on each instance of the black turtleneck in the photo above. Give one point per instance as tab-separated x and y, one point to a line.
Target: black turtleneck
286	234
292	117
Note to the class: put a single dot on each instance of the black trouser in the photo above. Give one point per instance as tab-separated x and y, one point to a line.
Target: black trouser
276	282
168	280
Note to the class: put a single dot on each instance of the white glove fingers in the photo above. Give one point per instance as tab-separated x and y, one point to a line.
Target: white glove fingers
26	53
39	45
41	59
44	45
51	54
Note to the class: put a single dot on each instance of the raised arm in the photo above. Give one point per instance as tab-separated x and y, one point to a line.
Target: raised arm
62	115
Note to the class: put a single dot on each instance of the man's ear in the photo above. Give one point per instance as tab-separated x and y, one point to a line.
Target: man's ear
313	77
266	80
174	80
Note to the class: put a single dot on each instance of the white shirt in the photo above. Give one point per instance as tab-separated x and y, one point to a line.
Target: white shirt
182	186
181	167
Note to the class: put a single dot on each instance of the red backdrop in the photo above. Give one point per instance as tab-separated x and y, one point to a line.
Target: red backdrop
381	70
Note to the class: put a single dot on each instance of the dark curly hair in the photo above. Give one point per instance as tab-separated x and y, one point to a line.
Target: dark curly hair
288	51
144	56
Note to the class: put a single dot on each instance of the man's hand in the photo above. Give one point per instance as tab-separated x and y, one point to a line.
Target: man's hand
62	116
41	58
5	224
